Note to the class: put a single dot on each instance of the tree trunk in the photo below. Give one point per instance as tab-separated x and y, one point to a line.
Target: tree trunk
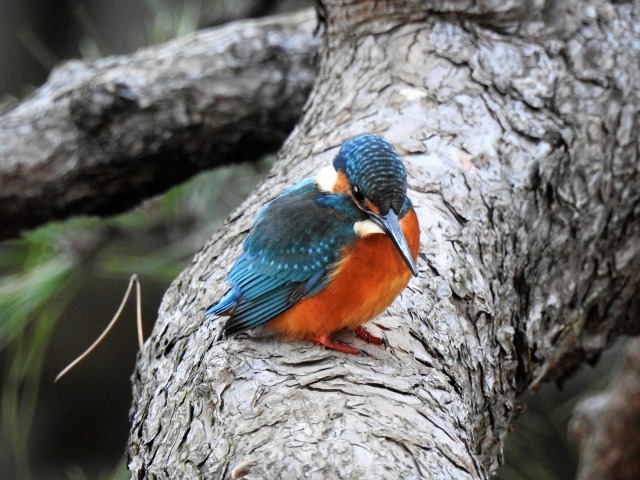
517	122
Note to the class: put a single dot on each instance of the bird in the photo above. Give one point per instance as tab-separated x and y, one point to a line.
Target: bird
329	253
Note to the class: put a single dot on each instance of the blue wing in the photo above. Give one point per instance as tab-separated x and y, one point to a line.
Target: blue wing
296	242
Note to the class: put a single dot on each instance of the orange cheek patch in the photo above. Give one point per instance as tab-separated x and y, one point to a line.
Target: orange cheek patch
371	206
342	184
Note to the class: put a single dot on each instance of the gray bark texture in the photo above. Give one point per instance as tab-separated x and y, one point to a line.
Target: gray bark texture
606	425
518	123
101	136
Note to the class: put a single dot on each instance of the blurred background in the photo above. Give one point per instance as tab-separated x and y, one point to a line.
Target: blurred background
60	284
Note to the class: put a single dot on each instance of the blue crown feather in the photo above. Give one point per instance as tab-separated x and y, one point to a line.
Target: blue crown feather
371	163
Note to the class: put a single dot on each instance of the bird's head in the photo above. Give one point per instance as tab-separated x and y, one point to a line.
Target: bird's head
370	172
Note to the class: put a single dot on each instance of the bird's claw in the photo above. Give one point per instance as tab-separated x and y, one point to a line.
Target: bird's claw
337	346
370	338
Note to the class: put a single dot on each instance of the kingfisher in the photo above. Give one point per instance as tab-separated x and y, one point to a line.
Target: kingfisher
329	253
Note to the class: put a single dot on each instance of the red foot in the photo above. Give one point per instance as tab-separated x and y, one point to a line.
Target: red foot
338	346
370	338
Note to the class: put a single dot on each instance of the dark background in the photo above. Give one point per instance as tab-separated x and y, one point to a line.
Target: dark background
37	34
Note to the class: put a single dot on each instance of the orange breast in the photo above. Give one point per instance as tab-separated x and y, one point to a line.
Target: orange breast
371	275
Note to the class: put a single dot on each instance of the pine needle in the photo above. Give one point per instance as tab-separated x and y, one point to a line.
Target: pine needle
87	352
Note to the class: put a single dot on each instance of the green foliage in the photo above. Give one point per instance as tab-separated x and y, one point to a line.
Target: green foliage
42	276
175	19
38	284
22	379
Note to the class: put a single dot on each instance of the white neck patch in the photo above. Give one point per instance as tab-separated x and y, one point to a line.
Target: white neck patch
326	179
366	228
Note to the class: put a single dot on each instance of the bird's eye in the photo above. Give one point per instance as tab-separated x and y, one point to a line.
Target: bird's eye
357	194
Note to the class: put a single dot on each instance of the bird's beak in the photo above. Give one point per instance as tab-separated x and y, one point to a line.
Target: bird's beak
389	223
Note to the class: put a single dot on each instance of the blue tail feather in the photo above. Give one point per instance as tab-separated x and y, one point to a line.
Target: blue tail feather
227	302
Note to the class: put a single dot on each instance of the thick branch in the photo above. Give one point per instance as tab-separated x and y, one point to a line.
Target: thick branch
100	136
607	425
521	150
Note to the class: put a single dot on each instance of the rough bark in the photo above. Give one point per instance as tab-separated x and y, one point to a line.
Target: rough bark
606	425
101	136
517	122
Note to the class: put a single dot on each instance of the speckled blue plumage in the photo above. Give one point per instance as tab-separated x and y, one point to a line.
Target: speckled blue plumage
299	237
